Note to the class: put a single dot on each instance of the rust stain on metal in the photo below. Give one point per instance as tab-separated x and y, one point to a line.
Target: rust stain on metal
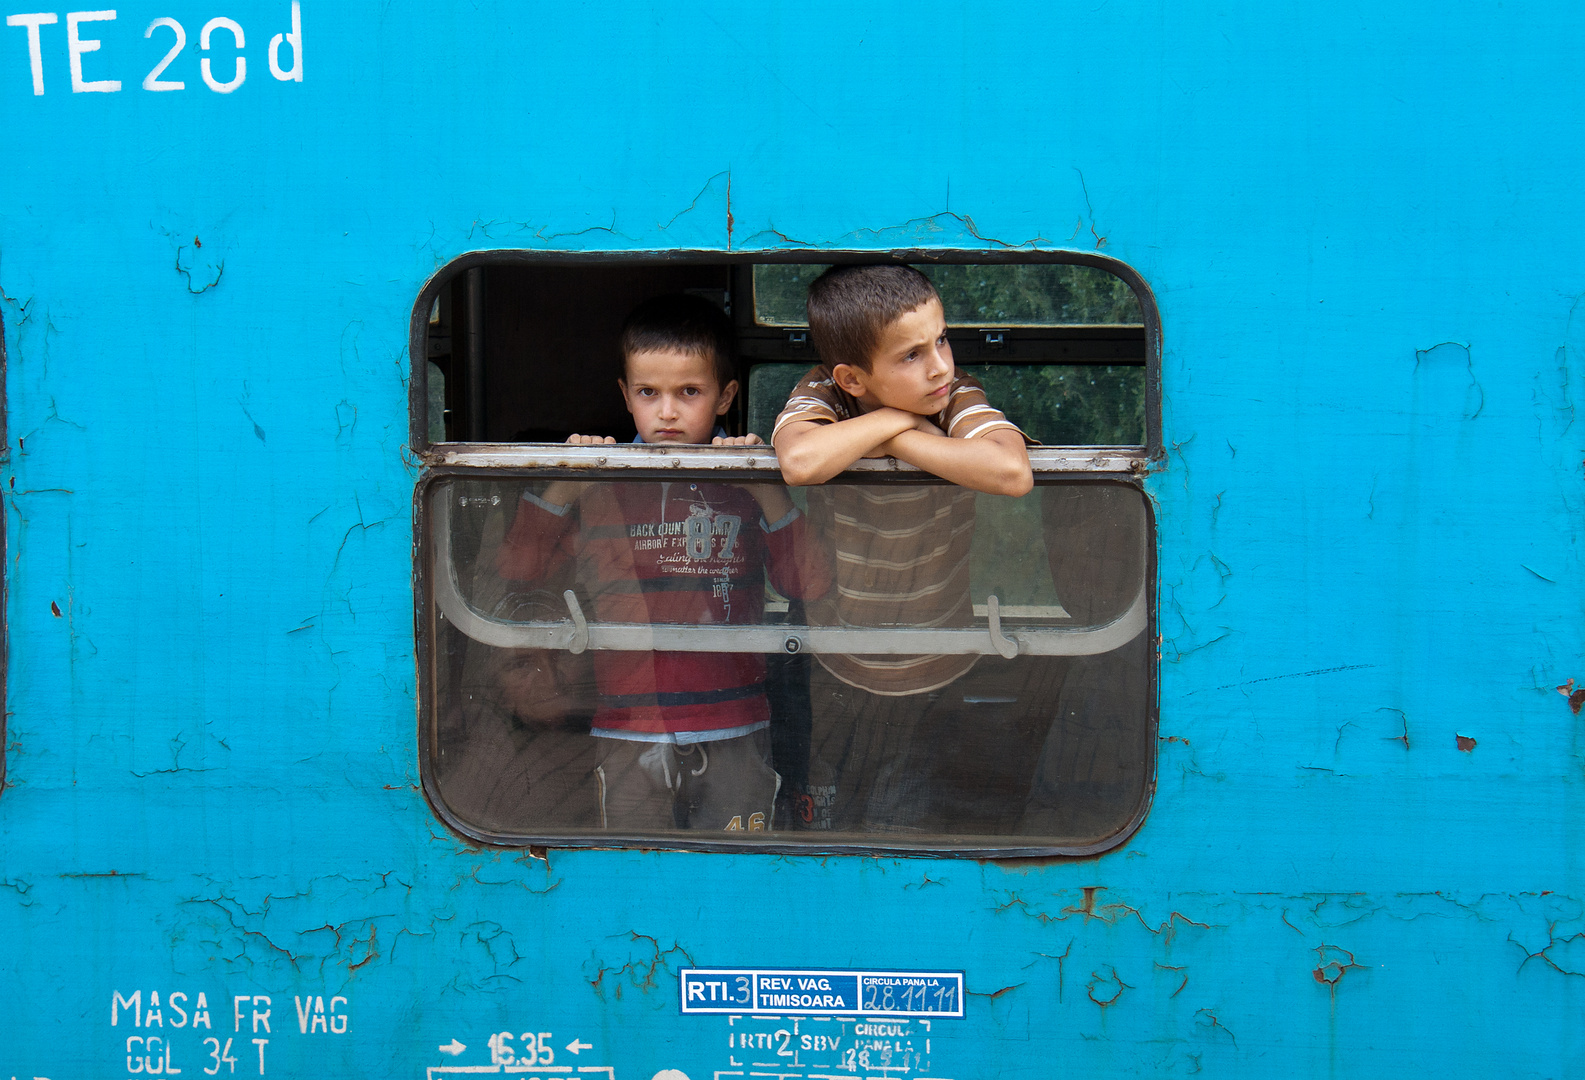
1465	743
1403	716
1110	914
1333	963
1108	981
1542	954
1062	968
1576	698
1178	968
640	972
1214	1022
370	950
55	609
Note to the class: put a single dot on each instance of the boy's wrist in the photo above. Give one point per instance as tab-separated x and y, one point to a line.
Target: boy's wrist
899	421
901	440
559	493
772	500
779	523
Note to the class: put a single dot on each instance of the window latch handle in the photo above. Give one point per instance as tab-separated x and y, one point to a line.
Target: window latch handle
580	633
1007	647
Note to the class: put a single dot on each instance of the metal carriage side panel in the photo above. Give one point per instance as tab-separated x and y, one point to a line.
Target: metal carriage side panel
1361	232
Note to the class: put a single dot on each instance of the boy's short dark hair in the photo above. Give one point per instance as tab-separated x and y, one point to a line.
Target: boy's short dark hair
685	323
850	307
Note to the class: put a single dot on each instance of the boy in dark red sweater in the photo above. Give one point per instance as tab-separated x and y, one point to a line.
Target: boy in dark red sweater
684	740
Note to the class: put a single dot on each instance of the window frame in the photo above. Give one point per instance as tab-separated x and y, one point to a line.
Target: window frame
447	461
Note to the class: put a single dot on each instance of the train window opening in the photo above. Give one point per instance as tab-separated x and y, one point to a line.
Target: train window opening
525	352
641	646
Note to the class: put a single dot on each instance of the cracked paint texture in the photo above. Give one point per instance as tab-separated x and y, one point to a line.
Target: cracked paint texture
1363	239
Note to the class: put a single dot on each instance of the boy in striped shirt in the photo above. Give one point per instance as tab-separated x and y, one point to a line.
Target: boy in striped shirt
887	387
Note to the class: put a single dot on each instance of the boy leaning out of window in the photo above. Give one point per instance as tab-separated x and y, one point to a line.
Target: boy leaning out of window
887	386
683	739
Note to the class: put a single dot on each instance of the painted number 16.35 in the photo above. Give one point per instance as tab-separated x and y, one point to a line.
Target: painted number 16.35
536	1049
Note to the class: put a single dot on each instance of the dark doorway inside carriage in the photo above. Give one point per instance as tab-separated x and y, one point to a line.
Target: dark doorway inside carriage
1050	751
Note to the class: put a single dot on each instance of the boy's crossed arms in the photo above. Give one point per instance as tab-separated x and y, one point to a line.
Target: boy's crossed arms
891	390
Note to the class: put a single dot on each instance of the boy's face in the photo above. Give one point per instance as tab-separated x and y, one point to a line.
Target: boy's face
912	366
674	396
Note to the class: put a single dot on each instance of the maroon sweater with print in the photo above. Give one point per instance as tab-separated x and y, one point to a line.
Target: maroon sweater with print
670	552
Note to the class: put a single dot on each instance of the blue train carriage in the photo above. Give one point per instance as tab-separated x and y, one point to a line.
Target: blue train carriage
1256	747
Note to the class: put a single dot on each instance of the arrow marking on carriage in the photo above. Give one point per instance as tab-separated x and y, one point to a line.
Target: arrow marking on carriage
453	1048
577	1047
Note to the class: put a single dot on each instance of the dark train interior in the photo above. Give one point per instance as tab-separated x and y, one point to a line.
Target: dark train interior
525	352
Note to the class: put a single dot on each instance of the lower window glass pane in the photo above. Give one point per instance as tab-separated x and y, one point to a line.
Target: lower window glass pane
898	665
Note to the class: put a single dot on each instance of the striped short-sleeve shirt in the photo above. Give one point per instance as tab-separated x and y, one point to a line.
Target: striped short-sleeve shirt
901	550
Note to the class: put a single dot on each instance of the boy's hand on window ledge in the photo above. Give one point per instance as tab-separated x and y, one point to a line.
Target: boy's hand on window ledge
567	492
772	498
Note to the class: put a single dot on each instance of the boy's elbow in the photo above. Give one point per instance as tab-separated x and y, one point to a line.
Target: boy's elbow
797	475
1015	486
797	467
1016	480
1020	477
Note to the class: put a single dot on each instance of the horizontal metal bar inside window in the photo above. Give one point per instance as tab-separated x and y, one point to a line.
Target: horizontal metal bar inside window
577	634
851	641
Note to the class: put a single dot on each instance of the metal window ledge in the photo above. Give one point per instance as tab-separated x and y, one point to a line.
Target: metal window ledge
620	457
